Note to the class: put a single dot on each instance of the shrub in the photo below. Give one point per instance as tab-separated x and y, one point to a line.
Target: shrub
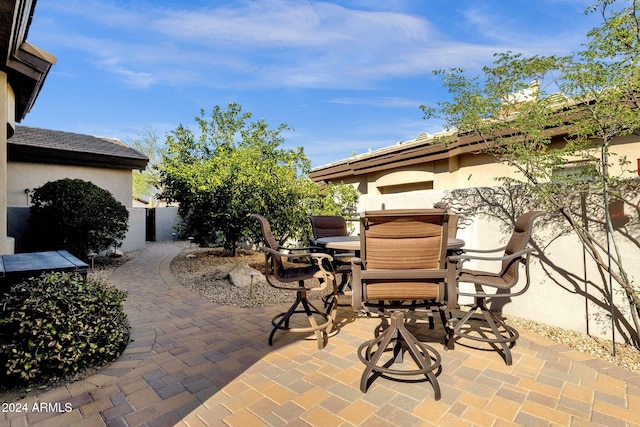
59	324
78	216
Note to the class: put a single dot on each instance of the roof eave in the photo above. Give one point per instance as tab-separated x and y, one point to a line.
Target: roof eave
26	65
28	154
407	155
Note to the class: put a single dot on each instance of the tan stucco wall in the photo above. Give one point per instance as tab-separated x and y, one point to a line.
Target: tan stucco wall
474	170
7	114
552	298
32	175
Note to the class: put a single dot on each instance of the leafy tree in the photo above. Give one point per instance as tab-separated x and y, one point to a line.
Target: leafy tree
336	199
593	97
147	183
78	216
232	168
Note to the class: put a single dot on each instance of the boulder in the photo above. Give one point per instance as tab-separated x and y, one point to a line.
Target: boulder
241	275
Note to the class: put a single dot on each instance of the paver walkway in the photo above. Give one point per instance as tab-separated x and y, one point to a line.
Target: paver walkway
194	363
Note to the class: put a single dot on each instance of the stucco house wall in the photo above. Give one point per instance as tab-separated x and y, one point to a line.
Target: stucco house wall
23	70
28	176
423	164
37	156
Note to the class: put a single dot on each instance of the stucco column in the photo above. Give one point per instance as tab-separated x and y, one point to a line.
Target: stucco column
454	167
6	102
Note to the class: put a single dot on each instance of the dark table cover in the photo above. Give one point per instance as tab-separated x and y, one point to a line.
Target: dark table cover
18	266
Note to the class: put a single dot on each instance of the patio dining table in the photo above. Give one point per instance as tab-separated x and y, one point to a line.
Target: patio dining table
352	243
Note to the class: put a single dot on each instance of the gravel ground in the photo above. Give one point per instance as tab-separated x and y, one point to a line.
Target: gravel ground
627	356
206	270
207	273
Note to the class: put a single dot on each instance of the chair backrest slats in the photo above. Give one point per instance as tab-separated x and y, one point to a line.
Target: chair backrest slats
274	261
403	241
403	244
522	231
328	225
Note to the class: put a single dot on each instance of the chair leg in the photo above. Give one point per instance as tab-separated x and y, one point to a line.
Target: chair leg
505	337
426	357
331	305
281	321
506	341
330	300
312	321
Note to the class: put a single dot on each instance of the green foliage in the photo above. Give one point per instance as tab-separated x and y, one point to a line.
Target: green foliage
146	183
336	199
235	167
78	216
592	97
57	325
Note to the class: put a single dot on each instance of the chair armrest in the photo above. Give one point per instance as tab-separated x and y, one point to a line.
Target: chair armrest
486	251
301	248
356	283
453	265
415	274
316	255
466	257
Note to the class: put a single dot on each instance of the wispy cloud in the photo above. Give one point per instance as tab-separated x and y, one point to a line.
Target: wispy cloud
266	43
507	29
386	101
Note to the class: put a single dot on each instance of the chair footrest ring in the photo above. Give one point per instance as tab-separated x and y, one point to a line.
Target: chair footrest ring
426	358
429	353
510	335
276	322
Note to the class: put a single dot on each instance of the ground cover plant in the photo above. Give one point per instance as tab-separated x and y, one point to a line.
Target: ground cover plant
58	325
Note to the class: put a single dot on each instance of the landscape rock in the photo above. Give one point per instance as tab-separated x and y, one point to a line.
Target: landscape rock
241	275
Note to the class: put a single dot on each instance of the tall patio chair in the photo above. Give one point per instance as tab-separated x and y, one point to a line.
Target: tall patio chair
490	286
401	267
453	225
281	275
329	226
453	218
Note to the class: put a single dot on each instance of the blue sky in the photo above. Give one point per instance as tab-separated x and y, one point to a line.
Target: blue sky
347	76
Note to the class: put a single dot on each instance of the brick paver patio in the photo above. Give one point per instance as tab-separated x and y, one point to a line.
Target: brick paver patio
194	363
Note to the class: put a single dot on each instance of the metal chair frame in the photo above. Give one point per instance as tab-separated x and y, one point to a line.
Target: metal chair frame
370	353
333	225
276	274
503	334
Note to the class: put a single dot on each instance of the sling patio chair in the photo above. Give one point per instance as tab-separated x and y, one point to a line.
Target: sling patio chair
401	267
453	218
281	275
332	226
490	286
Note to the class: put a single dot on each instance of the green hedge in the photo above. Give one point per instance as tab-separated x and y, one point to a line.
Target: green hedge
78	216
57	325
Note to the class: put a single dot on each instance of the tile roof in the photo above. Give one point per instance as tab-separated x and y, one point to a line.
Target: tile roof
38	145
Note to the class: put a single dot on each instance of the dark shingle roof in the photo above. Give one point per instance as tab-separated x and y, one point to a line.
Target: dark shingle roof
37	145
